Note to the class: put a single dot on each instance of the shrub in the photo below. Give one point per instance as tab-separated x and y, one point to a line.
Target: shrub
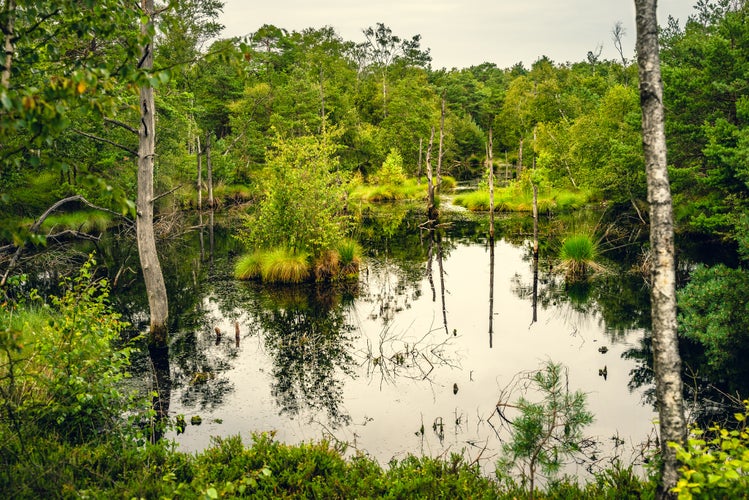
391	171
715	463
544	433
303	198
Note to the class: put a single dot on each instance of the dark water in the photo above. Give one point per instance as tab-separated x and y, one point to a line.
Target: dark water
413	357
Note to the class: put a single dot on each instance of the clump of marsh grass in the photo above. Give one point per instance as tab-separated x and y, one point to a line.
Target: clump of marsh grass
579	254
249	266
274	266
284	266
349	258
327	265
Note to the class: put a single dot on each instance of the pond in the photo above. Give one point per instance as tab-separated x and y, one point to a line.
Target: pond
415	355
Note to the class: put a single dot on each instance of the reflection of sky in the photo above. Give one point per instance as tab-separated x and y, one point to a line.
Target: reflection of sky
387	412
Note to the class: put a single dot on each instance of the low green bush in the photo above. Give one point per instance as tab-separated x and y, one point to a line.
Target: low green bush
715	463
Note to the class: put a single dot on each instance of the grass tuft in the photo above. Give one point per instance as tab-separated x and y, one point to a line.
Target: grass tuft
578	255
275	266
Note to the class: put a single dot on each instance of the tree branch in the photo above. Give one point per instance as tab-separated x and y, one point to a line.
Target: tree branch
166	194
121	124
102	139
37	224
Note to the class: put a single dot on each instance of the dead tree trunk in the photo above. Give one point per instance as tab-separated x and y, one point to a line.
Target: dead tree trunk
200	174
666	360
149	258
431	209
209	171
442	141
490	168
520	157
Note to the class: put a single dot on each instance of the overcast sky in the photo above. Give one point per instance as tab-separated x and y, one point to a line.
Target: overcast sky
462	33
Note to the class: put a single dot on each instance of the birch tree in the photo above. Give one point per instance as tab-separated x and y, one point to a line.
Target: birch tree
149	258
666	360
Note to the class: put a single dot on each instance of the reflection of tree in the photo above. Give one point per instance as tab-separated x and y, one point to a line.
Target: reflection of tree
198	365
709	397
435	252
395	356
306	335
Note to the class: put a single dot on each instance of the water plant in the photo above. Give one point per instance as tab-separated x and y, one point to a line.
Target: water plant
578	254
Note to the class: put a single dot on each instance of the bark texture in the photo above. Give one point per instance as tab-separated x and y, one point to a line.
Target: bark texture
666	359
9	47
149	258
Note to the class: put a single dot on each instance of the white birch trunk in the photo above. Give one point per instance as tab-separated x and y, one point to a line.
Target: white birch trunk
666	359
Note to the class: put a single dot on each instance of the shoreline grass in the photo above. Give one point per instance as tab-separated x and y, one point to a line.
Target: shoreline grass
411	189
515	199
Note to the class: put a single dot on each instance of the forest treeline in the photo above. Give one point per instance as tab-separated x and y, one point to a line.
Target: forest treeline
69	110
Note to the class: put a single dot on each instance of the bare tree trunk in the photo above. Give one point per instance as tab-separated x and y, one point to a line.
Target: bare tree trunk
520	157
491	292
490	167
535	221
442	140
431	211
436	237
666	360
209	170
200	174
149	258
9	32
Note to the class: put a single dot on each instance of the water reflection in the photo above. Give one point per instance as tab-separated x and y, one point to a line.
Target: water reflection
309	342
399	362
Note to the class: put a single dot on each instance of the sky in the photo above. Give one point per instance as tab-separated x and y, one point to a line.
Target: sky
463	33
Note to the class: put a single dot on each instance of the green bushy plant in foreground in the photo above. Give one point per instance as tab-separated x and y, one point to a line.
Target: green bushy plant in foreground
715	463
546	432
64	371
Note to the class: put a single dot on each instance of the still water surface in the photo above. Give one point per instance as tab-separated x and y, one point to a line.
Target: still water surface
415	356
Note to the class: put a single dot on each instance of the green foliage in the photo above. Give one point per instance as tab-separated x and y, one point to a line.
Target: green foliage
715	462
714	312
64	377
544	433
89	221
391	171
303	200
